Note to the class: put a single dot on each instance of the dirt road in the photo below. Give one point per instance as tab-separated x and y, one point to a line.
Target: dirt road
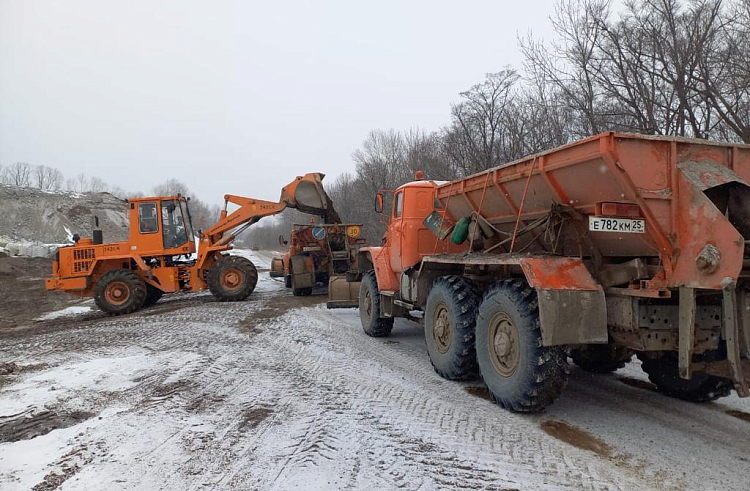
274	394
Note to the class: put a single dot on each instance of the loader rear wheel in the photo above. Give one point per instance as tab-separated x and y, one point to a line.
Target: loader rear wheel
663	372
601	358
232	278
521	374
120	291
450	319
153	295
369	308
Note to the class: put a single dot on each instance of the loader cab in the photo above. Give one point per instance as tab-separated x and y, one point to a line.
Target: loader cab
161	226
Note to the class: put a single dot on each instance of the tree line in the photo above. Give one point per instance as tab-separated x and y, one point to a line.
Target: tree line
656	67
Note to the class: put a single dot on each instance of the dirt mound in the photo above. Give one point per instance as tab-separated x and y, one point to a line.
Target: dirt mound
22	292
32	215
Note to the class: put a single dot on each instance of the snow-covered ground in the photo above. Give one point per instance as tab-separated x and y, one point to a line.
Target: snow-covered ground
279	393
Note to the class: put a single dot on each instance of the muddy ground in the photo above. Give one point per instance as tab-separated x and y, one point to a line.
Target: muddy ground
279	393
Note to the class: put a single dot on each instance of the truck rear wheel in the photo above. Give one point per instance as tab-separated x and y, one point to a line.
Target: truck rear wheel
153	295
601	358
663	372
232	278
521	374
120	291
369	308
450	319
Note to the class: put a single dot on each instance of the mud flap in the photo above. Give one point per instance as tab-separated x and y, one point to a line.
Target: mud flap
342	294
572	307
303	274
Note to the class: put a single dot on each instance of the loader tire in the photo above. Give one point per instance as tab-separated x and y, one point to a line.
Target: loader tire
288	281
120	291
664	372
153	295
232	278
369	308
521	375
450	319
601	358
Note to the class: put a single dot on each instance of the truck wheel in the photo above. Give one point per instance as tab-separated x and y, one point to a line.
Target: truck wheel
369	308
232	278
153	295
601	358
120	291
663	372
450	319
521	375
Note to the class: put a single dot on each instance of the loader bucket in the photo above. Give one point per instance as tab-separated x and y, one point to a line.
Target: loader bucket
310	197
341	294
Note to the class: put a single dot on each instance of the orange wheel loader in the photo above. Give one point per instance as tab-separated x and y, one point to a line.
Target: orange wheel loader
159	257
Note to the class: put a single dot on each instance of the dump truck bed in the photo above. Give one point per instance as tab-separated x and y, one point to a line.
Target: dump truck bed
669	179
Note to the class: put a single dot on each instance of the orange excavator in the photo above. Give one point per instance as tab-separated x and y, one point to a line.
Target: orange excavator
158	258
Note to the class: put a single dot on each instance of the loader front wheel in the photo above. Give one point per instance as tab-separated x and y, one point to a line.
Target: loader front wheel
450	319
153	295
663	371
369	308
232	278
120	291
521	374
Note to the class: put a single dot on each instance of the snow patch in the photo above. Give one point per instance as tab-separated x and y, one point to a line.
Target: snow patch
69	311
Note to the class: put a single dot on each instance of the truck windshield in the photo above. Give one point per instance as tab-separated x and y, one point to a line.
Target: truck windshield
173	224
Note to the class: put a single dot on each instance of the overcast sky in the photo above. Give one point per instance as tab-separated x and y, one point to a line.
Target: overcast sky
237	97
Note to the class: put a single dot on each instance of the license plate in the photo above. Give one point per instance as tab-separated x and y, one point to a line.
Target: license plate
617	225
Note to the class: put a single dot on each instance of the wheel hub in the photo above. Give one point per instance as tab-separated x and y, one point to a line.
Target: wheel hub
442	328
368	304
117	293
504	344
231	279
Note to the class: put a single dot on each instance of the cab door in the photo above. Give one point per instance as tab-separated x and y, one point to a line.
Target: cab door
396	232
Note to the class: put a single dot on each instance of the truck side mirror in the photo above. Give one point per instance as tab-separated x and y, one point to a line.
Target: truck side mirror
282	240
379	200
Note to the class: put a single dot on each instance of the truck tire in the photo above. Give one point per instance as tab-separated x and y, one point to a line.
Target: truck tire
369	308
663	371
520	374
601	358
120	291
153	295
450	319
232	278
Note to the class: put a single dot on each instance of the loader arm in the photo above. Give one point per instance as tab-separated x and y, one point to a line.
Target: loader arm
305	193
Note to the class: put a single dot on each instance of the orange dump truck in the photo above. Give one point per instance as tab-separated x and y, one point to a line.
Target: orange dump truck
615	245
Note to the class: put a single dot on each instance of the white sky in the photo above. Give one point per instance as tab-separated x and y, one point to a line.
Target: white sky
237	97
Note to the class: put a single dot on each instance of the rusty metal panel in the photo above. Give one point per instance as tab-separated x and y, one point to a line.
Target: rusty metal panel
572	317
558	273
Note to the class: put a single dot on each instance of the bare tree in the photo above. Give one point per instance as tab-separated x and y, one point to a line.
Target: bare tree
19	174
47	178
82	183
97	185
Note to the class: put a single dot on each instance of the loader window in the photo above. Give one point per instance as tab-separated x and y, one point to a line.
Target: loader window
173	225
398	205
147	223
